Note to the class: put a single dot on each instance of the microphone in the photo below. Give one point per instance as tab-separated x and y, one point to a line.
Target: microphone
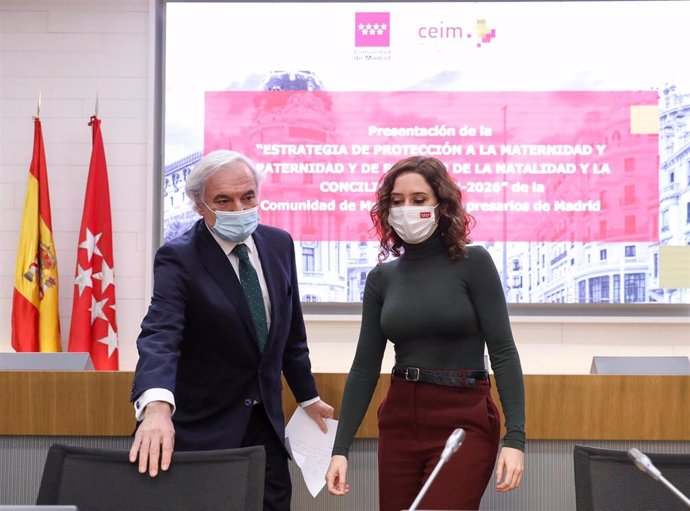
452	445
643	462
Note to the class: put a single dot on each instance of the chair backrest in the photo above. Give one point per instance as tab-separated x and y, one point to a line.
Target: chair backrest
105	480
607	480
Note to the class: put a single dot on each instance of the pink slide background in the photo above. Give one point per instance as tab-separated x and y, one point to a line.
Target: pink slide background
609	193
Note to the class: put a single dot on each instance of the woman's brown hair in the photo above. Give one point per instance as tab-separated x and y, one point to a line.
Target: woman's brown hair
454	222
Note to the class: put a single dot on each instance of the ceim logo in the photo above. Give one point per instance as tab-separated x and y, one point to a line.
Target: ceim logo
424	214
481	35
372	29
484	33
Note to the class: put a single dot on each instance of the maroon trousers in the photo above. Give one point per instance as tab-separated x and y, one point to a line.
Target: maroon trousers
415	421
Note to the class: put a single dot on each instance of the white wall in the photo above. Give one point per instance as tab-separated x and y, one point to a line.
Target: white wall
547	345
71	50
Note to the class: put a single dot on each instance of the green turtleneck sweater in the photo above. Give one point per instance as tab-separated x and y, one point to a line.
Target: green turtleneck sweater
439	314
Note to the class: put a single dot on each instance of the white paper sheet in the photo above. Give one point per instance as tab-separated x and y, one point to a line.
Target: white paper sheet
311	448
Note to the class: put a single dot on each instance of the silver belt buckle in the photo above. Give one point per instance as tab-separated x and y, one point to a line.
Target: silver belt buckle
412	374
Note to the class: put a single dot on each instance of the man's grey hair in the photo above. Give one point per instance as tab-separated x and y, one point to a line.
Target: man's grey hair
209	165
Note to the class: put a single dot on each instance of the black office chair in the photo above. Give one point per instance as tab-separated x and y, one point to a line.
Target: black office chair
105	480
608	480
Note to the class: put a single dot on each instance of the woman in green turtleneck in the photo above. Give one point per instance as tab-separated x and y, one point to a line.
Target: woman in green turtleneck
440	302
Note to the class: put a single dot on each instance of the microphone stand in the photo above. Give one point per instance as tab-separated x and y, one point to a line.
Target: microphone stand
426	486
452	445
675	491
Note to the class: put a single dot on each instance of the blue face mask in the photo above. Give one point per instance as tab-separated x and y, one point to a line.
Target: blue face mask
235	226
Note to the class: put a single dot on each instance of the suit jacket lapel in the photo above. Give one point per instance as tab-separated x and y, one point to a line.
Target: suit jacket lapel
217	264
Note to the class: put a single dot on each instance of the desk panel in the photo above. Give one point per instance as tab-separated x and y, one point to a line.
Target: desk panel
559	407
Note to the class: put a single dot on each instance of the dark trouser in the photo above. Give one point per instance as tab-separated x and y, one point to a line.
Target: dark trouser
415	421
277	487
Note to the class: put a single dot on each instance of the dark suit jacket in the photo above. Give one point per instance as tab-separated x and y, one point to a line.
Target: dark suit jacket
198	340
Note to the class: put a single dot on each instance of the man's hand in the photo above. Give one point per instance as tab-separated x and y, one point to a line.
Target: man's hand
318	412
511	465
154	439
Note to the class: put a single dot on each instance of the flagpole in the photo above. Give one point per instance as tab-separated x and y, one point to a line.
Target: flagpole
96	108
38	107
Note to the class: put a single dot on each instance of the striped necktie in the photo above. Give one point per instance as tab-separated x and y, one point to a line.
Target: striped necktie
252	291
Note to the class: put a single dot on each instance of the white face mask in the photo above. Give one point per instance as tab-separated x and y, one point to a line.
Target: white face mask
413	224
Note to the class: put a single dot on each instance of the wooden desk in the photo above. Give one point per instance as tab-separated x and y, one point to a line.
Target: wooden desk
559	407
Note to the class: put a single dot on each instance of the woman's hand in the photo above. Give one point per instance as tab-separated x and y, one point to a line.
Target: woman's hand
336	476
511	465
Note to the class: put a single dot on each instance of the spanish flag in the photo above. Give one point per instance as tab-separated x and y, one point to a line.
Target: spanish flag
35	319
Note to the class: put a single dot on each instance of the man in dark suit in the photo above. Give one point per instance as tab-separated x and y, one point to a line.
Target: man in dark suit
225	321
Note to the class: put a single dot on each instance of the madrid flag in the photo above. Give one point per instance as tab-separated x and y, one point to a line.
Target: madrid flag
35	319
93	327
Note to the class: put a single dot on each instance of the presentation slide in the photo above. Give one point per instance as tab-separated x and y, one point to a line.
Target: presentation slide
564	127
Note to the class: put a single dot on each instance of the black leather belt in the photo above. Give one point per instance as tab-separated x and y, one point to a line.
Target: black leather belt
449	378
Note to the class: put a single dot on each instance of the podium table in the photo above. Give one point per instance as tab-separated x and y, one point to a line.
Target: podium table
92	409
559	407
